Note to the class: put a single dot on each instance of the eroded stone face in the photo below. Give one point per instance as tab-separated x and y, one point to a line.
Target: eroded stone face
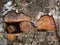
31	8
37	38
46	22
24	26
13	17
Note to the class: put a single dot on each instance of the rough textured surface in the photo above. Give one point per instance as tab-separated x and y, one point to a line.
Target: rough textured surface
46	22
26	26
3	39
13	17
37	38
30	37
50	7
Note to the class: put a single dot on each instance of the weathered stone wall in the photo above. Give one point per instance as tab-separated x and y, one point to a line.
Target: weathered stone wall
36	8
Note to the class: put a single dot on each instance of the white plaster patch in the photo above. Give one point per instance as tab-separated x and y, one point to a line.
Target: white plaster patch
39	15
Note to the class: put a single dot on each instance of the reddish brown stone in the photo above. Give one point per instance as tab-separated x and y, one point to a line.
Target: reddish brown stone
46	22
26	26
13	17
11	37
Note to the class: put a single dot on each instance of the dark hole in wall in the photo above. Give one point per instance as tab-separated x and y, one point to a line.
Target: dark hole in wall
16	25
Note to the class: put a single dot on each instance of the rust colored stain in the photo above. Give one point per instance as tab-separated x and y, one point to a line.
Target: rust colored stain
26	26
46	22
11	37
